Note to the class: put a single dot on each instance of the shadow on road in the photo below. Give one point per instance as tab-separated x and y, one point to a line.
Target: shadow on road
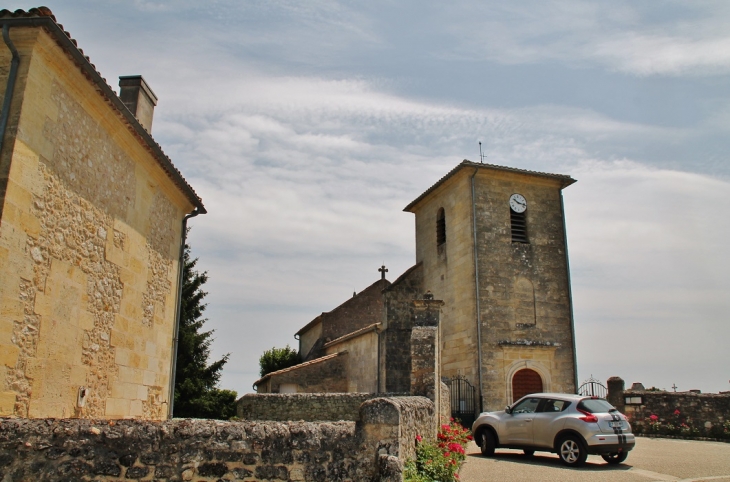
550	460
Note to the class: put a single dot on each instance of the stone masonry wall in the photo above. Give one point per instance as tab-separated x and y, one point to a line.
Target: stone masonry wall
524	288
396	338
707	413
89	239
201	450
358	312
208	450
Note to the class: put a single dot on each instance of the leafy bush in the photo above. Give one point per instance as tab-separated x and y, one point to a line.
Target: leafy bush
278	359
439	461
678	424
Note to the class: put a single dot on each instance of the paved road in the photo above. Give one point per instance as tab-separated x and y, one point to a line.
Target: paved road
651	460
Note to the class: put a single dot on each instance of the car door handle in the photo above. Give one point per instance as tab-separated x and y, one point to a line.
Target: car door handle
528	420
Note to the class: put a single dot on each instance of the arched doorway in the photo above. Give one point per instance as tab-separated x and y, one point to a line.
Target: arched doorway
524	382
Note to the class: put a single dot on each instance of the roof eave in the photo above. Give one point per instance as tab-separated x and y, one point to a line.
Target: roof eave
565	180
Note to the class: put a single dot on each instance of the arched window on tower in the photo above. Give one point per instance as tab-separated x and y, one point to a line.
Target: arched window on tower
440	228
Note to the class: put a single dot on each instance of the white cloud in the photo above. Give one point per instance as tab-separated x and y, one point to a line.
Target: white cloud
650	273
305	154
616	35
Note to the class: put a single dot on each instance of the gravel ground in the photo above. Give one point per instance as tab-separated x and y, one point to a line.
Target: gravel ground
651	460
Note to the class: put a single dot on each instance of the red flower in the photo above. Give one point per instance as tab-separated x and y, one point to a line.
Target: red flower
469	437
676	412
418	438
653	418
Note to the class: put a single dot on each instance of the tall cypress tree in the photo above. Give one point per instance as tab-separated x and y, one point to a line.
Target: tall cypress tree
196	391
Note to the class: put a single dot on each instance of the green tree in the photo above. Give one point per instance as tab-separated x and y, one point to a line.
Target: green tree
196	382
278	359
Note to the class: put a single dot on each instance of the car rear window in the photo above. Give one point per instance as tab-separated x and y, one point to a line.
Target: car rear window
595	405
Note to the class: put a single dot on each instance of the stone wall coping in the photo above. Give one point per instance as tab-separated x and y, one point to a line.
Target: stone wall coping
674	394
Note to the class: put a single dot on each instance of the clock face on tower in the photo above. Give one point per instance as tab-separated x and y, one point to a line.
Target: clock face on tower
517	203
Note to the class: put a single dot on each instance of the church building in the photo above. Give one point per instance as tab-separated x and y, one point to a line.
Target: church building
491	248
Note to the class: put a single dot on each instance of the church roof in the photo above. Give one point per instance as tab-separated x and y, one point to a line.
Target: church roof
296	367
342	305
566	180
403	276
44	18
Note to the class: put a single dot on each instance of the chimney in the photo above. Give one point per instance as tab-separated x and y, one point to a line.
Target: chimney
139	98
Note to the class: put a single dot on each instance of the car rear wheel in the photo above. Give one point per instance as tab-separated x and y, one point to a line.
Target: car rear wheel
488	443
572	451
615	458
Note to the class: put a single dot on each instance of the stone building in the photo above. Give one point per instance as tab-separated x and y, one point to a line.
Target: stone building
490	243
92	217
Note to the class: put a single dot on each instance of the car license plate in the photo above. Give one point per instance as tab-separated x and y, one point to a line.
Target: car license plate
614	424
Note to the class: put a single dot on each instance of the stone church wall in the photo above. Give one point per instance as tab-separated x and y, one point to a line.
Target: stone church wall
448	272
89	241
208	450
358	312
524	288
362	361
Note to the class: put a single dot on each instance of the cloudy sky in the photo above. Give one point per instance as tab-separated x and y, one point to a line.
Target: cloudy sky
306	127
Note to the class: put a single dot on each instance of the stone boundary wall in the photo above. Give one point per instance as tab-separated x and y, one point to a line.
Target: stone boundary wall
373	449
310	407
676	413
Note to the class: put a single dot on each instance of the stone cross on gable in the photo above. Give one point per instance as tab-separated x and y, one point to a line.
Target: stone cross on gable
382	270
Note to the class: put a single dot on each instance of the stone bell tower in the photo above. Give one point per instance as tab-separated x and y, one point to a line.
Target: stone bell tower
493	247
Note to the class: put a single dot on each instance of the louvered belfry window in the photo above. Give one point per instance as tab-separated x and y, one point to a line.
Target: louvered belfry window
440	227
519	226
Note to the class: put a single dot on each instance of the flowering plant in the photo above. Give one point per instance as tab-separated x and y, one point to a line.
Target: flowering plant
680	424
439	460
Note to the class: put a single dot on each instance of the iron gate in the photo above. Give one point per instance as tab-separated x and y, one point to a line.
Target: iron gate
593	388
463	400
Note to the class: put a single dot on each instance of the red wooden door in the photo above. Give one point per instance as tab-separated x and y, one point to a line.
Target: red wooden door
524	382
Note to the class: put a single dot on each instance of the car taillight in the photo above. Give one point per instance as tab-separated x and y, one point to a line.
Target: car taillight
589	417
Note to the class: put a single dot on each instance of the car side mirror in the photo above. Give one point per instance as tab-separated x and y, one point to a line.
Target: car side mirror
507	409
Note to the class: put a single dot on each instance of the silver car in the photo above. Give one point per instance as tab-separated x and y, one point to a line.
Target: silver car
572	426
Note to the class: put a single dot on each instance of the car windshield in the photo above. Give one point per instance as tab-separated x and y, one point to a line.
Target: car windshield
528	405
596	405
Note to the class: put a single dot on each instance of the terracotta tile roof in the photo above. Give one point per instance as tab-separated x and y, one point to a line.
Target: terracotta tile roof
566	180
354	334
296	367
44	18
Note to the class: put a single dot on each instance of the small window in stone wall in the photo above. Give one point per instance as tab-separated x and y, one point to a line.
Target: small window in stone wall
288	388
633	400
519	226
440	227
